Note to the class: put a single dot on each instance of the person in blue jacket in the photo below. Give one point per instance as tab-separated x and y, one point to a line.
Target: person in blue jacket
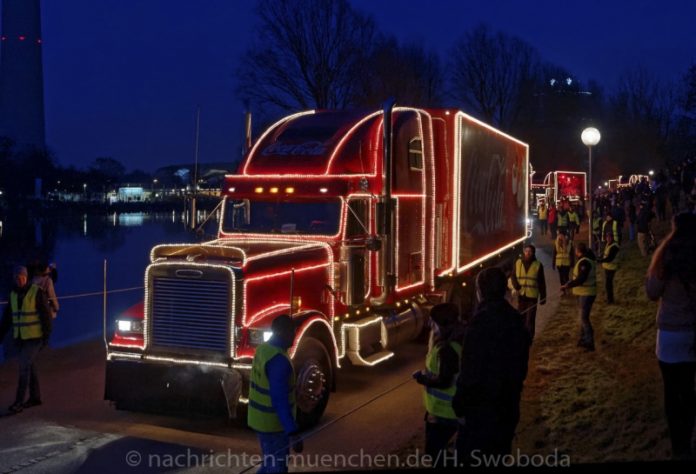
272	397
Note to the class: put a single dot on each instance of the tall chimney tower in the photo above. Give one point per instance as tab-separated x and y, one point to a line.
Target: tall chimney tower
21	74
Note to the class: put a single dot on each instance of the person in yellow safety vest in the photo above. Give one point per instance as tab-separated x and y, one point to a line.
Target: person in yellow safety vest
610	225
563	257
271	410
439	380
610	263
562	219
529	281
542	215
584	285
28	316
573	223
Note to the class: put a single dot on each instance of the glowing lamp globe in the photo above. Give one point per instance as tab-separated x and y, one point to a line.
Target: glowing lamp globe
590	136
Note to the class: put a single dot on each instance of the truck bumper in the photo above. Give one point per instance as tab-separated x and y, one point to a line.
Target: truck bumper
173	388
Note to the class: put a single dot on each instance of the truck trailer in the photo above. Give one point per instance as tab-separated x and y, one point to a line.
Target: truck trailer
354	223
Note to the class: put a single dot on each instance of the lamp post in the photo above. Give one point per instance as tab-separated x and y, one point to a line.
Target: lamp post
590	137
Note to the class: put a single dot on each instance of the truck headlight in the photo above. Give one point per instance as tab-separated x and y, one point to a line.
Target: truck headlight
129	325
259	336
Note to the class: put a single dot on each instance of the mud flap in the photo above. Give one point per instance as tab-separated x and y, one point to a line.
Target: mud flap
231	385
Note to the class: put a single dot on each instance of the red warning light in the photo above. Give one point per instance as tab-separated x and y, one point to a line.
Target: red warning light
22	38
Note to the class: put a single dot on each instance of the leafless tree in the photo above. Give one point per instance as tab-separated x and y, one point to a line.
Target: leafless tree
643	108
489	71
683	143
306	54
409	73
689	94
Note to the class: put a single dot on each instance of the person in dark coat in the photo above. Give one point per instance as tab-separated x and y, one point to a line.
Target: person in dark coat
494	365
645	215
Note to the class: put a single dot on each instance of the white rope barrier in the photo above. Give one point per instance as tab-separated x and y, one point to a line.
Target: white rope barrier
94	293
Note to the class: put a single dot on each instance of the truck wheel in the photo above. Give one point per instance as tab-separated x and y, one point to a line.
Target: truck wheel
313	378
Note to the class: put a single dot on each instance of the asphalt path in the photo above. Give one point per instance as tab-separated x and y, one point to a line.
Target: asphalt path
374	412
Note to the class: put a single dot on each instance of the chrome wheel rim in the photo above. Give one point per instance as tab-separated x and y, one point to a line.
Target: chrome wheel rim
311	386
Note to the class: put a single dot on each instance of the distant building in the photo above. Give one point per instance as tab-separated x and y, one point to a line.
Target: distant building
21	74
129	194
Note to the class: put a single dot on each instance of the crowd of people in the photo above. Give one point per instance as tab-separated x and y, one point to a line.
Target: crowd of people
671	277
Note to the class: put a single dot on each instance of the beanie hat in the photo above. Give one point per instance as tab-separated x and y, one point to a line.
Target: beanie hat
20	270
492	284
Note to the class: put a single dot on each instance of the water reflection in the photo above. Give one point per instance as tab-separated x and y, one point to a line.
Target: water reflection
79	244
129	220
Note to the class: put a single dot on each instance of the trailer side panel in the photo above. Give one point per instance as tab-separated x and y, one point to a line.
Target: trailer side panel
493	192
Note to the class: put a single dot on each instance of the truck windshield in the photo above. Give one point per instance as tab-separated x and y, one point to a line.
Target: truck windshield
282	217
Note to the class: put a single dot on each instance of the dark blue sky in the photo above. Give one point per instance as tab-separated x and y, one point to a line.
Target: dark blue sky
123	77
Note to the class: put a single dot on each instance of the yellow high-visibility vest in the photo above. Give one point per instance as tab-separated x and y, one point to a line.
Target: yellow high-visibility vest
25	320
261	416
528	278
563	255
614	264
614	230
589	287
438	401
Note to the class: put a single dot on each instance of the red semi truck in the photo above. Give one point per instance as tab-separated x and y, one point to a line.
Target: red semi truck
570	186
354	223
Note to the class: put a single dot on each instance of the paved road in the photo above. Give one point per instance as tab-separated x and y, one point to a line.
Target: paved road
76	431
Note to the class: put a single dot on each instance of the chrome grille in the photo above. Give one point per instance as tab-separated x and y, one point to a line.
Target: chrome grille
191	314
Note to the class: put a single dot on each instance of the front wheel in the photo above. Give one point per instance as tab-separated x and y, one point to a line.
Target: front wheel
313	379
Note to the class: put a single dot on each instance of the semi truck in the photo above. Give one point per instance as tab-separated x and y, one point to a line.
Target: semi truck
355	223
570	186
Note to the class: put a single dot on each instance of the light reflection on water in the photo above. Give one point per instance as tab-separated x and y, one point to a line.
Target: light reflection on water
79	245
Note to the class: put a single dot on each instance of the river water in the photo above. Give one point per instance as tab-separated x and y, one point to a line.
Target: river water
79	245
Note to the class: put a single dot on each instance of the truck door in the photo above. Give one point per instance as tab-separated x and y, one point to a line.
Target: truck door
409	191
355	258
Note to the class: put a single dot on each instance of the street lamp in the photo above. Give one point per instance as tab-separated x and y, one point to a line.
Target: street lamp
590	137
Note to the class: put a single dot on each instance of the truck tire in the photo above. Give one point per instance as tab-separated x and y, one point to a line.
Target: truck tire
313	379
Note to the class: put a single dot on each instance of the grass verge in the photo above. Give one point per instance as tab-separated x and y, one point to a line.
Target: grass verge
601	406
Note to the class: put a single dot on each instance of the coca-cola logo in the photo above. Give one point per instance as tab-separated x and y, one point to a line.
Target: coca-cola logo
287	149
484	185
